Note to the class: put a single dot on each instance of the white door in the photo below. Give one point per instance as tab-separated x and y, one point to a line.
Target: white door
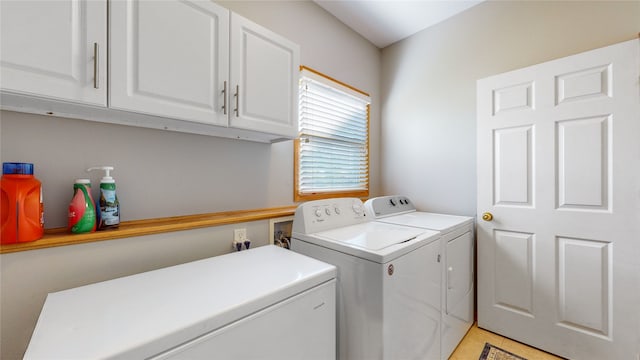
264	79
169	58
55	49
559	170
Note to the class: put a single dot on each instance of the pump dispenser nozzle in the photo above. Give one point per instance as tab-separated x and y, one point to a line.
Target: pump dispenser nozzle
107	176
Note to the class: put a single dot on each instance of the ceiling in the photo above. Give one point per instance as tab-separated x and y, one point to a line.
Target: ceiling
384	22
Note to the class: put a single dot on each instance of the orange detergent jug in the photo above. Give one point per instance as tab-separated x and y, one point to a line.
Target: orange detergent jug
22	208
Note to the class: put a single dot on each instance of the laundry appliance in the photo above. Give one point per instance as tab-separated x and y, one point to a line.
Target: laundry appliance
266	303
388	283
457	237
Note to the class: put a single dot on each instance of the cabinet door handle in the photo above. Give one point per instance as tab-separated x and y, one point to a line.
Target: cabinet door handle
224	94
96	65
237	95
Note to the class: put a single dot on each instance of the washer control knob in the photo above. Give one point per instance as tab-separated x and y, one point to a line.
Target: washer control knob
318	213
357	208
337	210
392	202
327	211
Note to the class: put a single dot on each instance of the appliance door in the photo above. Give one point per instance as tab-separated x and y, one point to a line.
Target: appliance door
459	277
301	327
411	291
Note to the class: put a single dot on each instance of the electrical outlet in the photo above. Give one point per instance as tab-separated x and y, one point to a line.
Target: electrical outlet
240	235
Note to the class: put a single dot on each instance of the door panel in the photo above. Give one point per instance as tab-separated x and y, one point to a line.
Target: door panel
48	49
582	158
583	84
513	172
169	58
152	58
264	79
261	76
516	97
559	168
514	260
584	285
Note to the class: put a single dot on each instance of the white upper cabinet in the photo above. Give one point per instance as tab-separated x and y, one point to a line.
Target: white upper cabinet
264	78
188	65
169	58
54	49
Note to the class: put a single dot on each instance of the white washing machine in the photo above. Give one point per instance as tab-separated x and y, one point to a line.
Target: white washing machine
264	303
388	283
457	234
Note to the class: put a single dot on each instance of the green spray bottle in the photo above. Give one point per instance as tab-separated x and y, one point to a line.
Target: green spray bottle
108	208
82	209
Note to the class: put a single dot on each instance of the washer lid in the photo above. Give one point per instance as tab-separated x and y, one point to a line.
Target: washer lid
425	220
374	241
371	236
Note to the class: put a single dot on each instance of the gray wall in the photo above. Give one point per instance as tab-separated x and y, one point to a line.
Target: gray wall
429	86
161	173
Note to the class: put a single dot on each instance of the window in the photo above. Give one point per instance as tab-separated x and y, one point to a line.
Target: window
332	152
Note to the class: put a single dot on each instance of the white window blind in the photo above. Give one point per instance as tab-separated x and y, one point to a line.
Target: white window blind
334	137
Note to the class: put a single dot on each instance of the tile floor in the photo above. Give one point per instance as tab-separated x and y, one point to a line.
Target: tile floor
471	346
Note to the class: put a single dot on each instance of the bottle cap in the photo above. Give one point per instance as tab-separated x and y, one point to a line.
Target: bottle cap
83	181
13	168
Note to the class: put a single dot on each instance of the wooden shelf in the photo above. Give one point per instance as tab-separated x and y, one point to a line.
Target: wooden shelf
61	237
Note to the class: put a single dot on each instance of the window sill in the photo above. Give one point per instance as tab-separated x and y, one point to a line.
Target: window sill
61	237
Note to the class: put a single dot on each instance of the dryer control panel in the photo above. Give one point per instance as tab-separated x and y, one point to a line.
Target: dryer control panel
321	215
388	205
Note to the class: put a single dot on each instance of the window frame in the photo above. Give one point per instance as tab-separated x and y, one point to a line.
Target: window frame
299	196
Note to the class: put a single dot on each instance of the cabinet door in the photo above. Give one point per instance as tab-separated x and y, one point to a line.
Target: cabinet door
169	58
264	79
55	49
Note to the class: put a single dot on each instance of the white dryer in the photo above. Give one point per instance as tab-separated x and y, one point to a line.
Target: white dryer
457	234
388	284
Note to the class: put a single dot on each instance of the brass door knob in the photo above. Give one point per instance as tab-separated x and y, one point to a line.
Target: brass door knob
487	216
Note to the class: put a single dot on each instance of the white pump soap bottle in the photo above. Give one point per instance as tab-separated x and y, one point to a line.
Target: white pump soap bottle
108	215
